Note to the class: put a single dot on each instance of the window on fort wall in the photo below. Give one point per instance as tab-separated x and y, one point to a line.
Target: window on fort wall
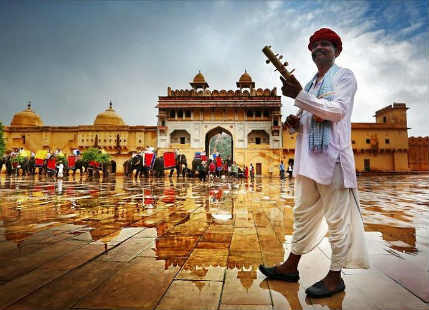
258	113
187	113
180	114
368	141
353	142
172	114
257	140
182	140
276	122
387	141
266	113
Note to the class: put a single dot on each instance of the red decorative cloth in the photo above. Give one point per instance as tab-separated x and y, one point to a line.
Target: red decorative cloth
39	162
148	158
169	160
94	164
52	164
326	34
71	161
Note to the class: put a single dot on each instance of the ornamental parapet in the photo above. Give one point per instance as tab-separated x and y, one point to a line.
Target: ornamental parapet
222	93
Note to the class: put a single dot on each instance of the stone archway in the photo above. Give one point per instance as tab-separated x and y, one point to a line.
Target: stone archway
215	131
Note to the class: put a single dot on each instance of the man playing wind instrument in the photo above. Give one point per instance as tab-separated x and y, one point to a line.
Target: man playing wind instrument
325	186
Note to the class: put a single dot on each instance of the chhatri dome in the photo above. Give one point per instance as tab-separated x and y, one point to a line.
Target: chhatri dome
26	118
199	81
245	81
108	118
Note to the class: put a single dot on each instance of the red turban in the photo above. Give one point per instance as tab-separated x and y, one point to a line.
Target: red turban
326	34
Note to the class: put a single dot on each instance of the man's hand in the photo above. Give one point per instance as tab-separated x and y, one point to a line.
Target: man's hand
291	86
293	121
318	119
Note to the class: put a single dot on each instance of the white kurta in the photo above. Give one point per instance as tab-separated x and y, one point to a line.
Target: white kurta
320	166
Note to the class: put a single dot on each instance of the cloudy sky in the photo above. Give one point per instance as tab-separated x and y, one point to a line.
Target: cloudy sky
71	57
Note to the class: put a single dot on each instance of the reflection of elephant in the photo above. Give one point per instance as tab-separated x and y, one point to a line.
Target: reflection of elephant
158	167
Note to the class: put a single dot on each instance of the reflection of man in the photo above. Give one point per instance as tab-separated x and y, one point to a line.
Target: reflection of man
326	197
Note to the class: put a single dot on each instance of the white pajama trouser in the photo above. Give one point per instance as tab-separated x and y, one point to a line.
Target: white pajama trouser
329	208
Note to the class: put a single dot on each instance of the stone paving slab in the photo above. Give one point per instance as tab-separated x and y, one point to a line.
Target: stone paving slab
66	291
22	265
191	295
146	280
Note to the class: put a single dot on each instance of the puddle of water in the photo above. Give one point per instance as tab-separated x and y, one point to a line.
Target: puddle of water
182	211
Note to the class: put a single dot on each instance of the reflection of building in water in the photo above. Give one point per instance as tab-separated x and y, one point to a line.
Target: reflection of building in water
399	238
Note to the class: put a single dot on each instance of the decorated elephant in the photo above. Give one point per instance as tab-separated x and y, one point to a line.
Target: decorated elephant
23	166
134	163
181	164
9	165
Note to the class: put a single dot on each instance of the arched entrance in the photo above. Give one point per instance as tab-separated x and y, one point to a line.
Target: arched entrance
223	144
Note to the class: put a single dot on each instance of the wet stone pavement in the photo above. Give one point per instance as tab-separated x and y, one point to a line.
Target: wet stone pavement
181	244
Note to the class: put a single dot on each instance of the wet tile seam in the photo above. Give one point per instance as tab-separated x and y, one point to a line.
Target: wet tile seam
221	291
400	284
118	268
262	259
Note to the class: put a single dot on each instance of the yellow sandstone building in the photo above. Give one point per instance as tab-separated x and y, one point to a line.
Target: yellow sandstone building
188	119
108	131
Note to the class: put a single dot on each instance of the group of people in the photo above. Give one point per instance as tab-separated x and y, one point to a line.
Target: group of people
282	170
227	169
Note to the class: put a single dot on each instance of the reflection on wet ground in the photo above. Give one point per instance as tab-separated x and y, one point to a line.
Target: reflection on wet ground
181	244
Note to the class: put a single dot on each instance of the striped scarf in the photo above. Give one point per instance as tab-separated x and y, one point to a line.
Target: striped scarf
320	132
